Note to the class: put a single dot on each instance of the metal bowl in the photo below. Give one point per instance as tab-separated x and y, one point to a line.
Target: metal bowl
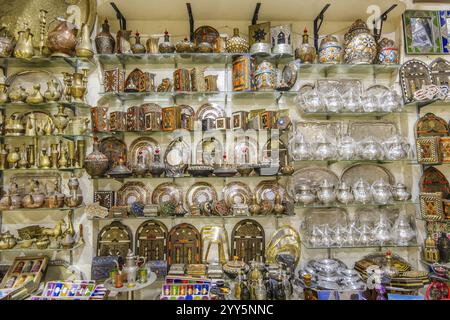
200	170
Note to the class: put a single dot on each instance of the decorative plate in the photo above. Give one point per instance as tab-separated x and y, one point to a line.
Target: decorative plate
237	193
210	111
267	190
311	176
114	149
167	192
131	192
207	34
147	146
199	193
381	130
368	172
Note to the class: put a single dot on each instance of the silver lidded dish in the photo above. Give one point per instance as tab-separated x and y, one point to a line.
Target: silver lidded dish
200	170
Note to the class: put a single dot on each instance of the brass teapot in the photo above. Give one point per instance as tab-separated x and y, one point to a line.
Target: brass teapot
52	93
7	241
36	198
18	94
24	46
35	96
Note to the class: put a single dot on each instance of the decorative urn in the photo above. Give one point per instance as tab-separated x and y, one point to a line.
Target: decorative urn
387	52
104	41
306	53
166	46
360	45
236	44
96	163
330	50
63	39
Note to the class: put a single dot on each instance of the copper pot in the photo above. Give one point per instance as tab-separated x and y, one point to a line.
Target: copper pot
63	39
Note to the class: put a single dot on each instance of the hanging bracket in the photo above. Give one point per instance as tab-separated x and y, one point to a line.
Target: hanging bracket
255	13
191	20
383	18
120	16
317	24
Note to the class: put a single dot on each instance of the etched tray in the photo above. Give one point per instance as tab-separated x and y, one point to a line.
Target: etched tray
131	192
381	130
311	176
147	146
368	172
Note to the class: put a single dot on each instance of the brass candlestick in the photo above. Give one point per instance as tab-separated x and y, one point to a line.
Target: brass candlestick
54	155
31	156
80	153
71	151
42	30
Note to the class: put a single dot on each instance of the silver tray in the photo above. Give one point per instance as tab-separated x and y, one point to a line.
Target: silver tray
330	216
368	172
311	130
23	181
167	192
147	146
133	191
237	192
381	130
311	176
324	86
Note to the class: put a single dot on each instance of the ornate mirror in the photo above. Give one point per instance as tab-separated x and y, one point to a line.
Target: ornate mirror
413	75
440	72
184	245
114	240
248	241
151	240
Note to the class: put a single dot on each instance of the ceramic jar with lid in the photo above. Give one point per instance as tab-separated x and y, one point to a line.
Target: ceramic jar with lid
387	52
330	51
306	53
236	44
166	46
104	41
360	45
265	76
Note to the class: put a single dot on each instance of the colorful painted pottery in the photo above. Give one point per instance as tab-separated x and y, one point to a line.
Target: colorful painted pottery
236	44
330	50
306	53
265	76
387	52
360	45
104	41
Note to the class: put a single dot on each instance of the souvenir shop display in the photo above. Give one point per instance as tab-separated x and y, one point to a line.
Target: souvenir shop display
23	271
72	290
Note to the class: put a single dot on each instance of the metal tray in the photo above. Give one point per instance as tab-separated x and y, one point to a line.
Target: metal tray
368	172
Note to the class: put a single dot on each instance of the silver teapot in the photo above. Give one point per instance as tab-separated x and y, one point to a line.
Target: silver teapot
347	148
396	148
299	148
361	192
306	195
370	149
344	194
326	193
381	192
325	150
400	193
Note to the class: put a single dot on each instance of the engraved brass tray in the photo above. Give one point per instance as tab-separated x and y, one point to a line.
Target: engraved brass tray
237	192
199	193
131	192
267	190
167	192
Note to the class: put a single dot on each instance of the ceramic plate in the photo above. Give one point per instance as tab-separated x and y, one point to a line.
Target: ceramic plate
131	192
167	192
267	190
237	193
114	149
311	176
199	193
368	172
147	146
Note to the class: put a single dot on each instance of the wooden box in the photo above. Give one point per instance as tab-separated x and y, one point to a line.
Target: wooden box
118	121
135	119
171	119
99	118
428	150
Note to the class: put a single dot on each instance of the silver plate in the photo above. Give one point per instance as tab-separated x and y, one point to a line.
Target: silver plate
311	176
311	130
381	130
324	86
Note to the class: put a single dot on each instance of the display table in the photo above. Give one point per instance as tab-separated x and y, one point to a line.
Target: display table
130	291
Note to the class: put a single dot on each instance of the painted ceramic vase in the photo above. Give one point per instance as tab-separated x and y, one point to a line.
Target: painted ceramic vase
96	163
330	50
306	53
360	45
265	76
387	52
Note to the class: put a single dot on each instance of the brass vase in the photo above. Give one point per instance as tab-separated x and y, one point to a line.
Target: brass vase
13	157
54	154
3	93
24	46
61	120
44	160
84	46
78	88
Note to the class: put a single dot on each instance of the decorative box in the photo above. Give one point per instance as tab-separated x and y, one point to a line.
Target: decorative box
149	82
99	118
102	266
114	80
106	199
135	119
198	270
152	116
267	120
151	210
198	82
181	80
223	123
240	120
139	81
242	73
186	121
281	39
446	204
428	150
240	209
25	272
208	124
118	121
445	148
177	269
211	83
118	212
254	119
171	118
431	206
159	267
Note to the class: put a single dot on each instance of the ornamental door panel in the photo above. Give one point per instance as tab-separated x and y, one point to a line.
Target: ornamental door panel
184	245
248	240
151	240
414	74
114	240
